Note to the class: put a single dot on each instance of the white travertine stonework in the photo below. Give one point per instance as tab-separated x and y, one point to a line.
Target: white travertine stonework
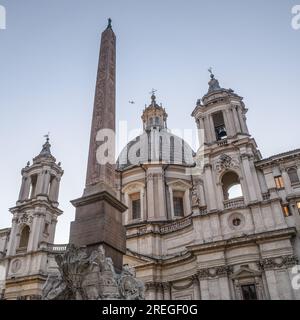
218	246
189	234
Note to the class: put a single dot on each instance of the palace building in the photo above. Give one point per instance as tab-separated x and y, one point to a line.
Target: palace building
222	227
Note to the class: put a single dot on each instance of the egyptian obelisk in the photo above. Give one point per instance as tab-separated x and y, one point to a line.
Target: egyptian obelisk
98	218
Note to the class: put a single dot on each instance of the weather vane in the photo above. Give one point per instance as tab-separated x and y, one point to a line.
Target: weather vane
211	73
153	92
47	136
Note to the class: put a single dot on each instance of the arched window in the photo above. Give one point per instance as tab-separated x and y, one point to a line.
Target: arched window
231	186
292	172
219	125
24	238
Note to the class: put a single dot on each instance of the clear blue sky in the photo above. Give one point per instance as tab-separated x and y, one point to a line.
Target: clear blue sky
48	63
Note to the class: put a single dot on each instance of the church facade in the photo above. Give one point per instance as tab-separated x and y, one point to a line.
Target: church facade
220	223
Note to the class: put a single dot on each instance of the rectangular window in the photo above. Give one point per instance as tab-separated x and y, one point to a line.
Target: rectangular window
178	206
135	206
286	211
298	206
249	292
136	209
279	182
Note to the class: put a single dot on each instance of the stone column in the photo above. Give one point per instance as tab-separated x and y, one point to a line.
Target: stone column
150	196
220	196
237	290
39	184
278	215
187	202
212	128
236	120
215	226
22	189
242	121
35	231
229	116
12	244
210	188
196	286
167	290
151	291
52	228
202	195
54	190
202	127
45	189
161	195
224	288
272	284
171	201
26	190
286	181
257	219
255	179
159	292
142	192
204	289
207	130
248	176
259	288
127	212
227	124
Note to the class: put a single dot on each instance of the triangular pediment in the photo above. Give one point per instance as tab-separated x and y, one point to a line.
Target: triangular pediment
245	272
180	184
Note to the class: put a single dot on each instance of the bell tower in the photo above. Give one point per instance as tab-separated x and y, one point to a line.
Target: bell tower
230	154
33	226
221	114
228	146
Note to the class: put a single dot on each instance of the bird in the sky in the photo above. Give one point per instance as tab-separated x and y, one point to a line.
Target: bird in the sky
131	102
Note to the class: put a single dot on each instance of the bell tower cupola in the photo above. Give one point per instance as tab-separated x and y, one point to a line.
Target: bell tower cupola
41	180
221	114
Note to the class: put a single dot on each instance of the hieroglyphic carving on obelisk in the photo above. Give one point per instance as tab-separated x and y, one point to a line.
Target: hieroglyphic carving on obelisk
104	113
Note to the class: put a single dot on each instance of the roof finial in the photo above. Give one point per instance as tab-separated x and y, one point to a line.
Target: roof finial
109	23
153	97
213	83
211	72
46	146
47	136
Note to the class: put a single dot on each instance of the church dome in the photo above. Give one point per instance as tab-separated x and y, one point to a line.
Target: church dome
156	146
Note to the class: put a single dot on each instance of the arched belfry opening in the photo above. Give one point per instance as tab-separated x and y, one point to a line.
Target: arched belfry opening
24	238
219	126
231	186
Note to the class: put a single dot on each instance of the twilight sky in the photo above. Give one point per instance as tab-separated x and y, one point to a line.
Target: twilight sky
48	63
